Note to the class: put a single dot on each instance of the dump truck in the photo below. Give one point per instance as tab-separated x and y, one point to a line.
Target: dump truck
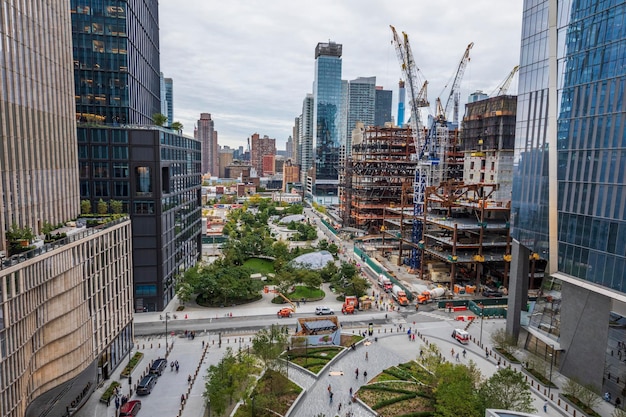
430	295
350	305
399	295
384	283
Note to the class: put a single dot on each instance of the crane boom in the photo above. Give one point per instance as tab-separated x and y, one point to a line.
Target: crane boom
503	88
455	93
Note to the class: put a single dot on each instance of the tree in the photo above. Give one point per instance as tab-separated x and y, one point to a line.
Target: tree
116	206
184	291
503	341
85	206
507	390
159	119
177	126
268	344
228	381
102	207
455	393
583	393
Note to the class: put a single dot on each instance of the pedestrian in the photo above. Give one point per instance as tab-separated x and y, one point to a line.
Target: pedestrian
339	408
189	379
545	406
203	344
176	363
350	392
331	397
356	373
172	366
366	356
413	337
452	352
182	399
365	375
329	389
499	364
464	353
486	353
457	357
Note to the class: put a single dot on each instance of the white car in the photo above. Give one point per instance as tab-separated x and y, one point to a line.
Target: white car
323	311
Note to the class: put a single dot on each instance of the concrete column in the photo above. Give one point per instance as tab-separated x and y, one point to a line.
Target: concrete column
518	287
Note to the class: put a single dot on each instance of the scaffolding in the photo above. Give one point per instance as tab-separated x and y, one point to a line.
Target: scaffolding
378	170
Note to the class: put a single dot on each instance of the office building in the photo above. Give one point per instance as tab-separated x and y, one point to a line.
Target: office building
116	61
65	307
260	147
568	205
155	174
167	99
289	147
225	159
361	106
382	111
323	182
206	134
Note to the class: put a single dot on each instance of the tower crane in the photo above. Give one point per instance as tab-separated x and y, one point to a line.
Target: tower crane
455	92
426	161
503	88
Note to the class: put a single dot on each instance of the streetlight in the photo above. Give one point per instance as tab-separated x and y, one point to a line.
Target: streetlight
167	317
551	362
130	349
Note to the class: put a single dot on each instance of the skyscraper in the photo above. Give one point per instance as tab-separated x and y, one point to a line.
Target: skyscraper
327	122
206	134
305	148
361	106
66	306
167	99
382	113
568	205
149	172
116	61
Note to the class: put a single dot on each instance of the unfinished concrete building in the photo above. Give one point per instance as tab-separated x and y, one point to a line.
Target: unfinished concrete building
374	176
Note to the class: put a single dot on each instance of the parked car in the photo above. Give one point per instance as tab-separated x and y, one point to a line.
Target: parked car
146	384
158	366
130	409
324	311
492	293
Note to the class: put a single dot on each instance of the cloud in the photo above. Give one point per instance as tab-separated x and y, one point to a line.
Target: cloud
251	63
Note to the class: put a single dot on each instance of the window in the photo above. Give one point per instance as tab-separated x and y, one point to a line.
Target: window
144	207
143	181
145	290
100	170
99	152
120	152
120	189
100	189
120	170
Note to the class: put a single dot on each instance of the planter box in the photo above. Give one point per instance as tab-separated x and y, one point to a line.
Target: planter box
575	407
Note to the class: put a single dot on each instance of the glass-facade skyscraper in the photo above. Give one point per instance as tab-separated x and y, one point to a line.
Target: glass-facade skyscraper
116	61
361	106
383	106
569	197
327	122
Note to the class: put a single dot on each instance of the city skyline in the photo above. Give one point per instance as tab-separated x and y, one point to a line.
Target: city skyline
258	63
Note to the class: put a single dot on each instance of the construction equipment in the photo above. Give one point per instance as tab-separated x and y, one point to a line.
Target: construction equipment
503	88
384	283
455	92
418	100
399	295
430	295
286	311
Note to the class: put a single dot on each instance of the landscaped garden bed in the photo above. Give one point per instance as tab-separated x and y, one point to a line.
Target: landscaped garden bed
312	359
273	395
128	369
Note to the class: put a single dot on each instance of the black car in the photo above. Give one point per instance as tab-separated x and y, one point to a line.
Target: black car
158	366
146	385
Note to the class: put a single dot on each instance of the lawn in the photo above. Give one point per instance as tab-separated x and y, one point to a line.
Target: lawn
310	294
260	266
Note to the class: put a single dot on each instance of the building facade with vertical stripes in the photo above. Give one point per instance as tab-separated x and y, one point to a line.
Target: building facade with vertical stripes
66	306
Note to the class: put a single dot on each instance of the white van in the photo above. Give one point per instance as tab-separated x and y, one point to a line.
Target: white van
461	335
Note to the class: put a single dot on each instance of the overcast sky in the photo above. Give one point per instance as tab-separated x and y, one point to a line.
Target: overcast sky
250	63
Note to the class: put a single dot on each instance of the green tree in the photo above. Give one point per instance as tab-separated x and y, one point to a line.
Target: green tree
228	381
177	126
268	344
103	207
455	393
116	206
85	206
311	279
507	390
329	272
159	119
503	341
184	291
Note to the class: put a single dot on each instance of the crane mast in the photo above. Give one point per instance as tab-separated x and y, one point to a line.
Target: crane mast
425	160
503	88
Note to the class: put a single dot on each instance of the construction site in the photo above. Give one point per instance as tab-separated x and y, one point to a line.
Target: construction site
434	196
